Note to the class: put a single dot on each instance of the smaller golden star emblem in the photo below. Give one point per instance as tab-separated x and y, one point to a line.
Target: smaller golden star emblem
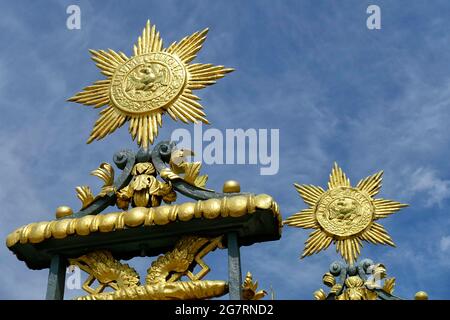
344	215
155	80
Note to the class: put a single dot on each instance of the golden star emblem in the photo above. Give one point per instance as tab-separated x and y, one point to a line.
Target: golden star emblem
141	88
344	215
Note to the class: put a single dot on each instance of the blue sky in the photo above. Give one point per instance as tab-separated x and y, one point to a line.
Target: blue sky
369	100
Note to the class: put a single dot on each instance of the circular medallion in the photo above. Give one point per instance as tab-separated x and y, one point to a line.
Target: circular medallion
147	82
344	211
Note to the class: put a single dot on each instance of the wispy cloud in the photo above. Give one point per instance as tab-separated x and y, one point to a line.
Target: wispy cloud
427	183
445	243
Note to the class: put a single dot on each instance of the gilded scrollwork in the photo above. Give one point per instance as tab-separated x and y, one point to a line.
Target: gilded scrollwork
105	172
190	171
109	272
250	289
163	281
187	253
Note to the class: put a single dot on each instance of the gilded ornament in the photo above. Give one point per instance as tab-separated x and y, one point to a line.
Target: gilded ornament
101	266
63	211
320	295
344	215
250	287
141	88
144	189
140	216
365	281
421	295
163	281
231	186
104	172
191	170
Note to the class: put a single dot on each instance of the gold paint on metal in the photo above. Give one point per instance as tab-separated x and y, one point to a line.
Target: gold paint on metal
145	190
101	266
163	281
344	211
104	172
86	196
181	290
249	289
344	215
355	288
188	253
208	209
421	295
155	80
231	186
63	211
320	295
191	170
328	279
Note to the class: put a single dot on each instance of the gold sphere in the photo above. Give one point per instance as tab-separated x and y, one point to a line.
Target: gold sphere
421	295
231	186
63	211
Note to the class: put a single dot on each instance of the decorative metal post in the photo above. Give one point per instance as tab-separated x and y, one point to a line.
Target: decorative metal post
234	267
56	278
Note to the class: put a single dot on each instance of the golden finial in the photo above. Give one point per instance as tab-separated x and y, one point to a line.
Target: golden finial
231	186
63	211
421	295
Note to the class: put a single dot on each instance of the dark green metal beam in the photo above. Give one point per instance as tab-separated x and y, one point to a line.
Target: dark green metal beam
56	278
234	267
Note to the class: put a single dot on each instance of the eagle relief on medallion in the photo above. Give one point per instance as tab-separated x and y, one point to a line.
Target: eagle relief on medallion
344	211
147	82
344	215
154	80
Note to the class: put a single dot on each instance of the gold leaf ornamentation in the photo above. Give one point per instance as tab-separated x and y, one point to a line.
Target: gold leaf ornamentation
191	170
104	172
236	206
250	287
343	215
153	81
84	193
109	272
163	281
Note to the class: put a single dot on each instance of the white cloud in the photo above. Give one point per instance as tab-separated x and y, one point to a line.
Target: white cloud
426	180
445	243
425	185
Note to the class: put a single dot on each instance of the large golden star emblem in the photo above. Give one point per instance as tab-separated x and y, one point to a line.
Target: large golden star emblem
141	88
344	215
